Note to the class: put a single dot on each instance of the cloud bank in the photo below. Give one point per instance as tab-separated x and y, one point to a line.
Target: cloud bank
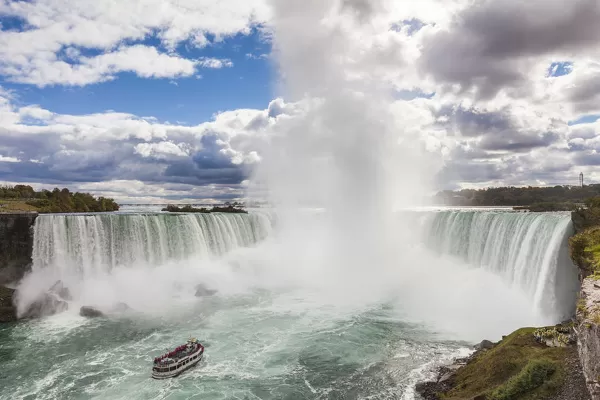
501	92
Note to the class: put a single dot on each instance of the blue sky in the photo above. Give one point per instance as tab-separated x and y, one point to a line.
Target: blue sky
174	100
188	100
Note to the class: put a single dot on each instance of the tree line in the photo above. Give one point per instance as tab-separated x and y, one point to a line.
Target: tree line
551	197
235	208
57	200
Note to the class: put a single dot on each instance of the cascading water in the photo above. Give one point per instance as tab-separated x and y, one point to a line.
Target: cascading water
529	250
94	243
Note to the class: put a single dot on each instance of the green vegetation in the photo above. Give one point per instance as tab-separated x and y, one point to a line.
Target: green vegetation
563	197
549	207
519	367
534	375
24	198
15	206
235	208
584	249
584	246
561	335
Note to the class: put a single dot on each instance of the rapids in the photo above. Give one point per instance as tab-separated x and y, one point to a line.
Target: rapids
274	330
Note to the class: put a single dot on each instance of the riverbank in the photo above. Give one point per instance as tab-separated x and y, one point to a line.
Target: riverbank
528	364
522	367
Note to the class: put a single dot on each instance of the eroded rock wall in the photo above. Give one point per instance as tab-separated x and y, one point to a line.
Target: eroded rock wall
588	334
16	245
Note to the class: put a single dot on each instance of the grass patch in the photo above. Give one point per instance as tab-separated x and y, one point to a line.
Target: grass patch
534	375
517	363
15	206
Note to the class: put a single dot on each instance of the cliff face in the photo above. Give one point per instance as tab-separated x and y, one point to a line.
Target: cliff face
16	244
8	313
588	334
585	251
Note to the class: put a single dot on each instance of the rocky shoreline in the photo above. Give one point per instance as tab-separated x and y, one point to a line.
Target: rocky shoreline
496	371
575	369
445	378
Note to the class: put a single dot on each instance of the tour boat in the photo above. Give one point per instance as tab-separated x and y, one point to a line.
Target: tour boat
175	362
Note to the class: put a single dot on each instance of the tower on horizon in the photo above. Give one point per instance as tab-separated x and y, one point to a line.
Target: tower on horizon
581	179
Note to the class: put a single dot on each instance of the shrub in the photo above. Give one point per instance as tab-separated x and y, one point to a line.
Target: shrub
532	376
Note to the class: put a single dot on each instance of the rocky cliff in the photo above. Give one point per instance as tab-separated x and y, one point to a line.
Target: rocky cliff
16	244
588	334
585	251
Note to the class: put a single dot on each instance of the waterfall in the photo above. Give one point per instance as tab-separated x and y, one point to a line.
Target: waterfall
103	242
529	250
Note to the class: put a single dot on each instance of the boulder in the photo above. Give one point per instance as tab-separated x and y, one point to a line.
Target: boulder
121	307
8	312
202	290
90	312
45	305
484	345
61	290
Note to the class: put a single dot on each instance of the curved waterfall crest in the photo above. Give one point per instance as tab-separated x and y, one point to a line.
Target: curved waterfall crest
103	242
529	250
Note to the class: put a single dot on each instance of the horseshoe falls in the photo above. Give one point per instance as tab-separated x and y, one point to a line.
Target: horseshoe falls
284	322
104	242
528	250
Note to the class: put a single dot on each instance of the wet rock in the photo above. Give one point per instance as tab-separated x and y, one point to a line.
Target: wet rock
588	335
8	312
90	312
202	290
61	290
45	305
484	345
121	308
447	376
428	390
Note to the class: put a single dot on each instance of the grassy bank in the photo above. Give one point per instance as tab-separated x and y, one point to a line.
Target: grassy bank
584	246
518	367
11	206
24	198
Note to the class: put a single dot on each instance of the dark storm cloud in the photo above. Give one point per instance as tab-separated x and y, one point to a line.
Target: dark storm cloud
518	143
190	172
472	122
485	45
61	161
28	146
210	165
587	158
211	157
465	170
496	130
585	94
361	9
512	169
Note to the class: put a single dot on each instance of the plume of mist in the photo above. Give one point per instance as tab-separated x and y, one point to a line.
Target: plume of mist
346	155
